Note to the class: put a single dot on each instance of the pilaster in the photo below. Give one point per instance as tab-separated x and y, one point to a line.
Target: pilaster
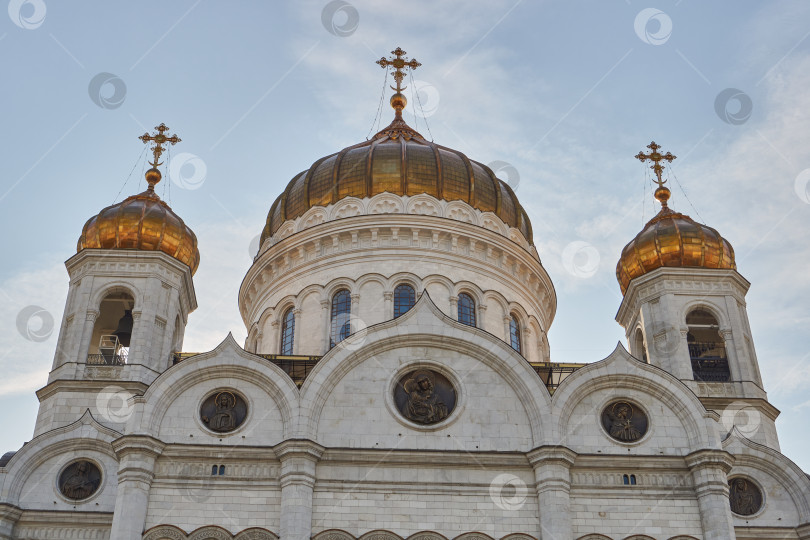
709	470
136	470
552	471
298	458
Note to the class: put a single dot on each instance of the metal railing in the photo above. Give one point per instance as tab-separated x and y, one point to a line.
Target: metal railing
553	373
709	361
106	359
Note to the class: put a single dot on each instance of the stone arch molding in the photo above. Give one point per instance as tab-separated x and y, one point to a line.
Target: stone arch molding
621	371
418	325
172	383
83	435
387	203
170	532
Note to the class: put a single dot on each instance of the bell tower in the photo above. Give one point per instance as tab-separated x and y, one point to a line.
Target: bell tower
130	295
684	311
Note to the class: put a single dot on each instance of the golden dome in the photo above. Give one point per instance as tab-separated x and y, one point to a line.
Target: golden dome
672	239
142	222
400	161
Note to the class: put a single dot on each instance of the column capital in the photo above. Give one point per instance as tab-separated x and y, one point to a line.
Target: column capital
712	459
551	455
140	444
803	531
301	448
92	315
388	295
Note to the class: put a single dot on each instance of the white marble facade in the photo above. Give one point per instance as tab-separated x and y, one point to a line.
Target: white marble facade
336	459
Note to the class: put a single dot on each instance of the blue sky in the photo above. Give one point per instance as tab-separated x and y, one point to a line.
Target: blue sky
565	92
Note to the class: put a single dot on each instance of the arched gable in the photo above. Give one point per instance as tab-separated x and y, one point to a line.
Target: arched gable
208	367
622	372
49	451
419	328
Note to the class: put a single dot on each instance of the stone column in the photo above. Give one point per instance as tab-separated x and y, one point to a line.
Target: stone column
136	470
552	472
87	333
326	328
388	297
709	469
9	515
453	307
298	458
296	330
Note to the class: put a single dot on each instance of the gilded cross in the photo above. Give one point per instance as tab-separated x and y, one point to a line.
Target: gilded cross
656	157
159	139
399	62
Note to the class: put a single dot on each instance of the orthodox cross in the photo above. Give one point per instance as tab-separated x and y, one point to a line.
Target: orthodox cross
398	63
656	157
159	139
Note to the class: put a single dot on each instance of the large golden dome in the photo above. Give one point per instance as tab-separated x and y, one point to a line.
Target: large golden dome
400	161
142	222
673	239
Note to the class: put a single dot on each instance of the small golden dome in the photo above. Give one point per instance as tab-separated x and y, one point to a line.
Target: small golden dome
672	239
142	222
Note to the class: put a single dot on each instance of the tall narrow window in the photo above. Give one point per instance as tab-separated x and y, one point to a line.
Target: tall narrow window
466	309
639	349
340	317
287	332
707	348
404	299
514	333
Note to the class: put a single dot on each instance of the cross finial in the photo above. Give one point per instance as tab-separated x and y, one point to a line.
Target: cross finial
399	62
662	193
159	139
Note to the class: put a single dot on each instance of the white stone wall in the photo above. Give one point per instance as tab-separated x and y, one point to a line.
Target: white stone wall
657	514
359	412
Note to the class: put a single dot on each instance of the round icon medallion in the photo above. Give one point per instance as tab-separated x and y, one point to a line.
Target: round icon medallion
744	496
424	396
624	421
223	411
79	480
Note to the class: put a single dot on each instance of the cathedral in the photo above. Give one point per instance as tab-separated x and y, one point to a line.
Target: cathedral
395	382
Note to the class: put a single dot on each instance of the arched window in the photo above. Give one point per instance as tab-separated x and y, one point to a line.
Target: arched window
112	330
404	299
466	309
340	317
639	350
514	333
287	332
707	348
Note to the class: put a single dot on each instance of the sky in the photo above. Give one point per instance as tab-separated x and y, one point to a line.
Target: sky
559	95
